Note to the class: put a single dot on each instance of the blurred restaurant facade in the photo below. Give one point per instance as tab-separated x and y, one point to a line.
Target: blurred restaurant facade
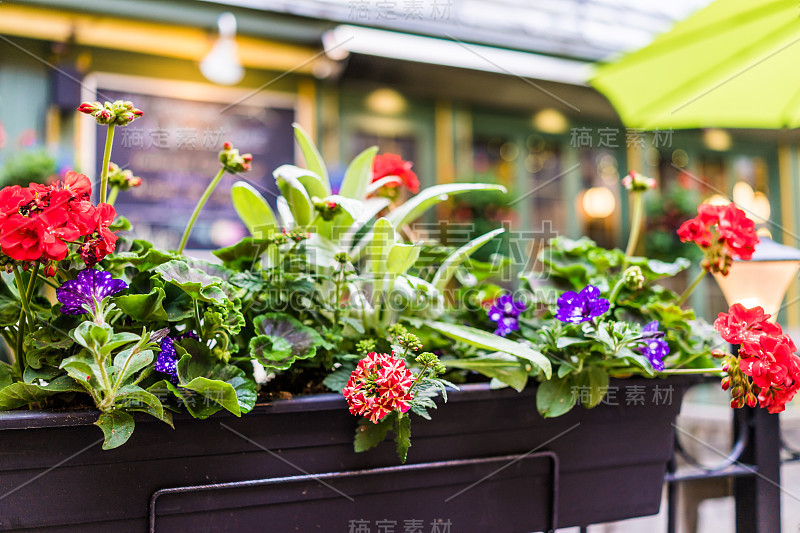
470	90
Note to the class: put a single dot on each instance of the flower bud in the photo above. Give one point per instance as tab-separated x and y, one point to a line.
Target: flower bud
51	268
751	400
726	383
232	160
89	107
737	403
636	182
633	278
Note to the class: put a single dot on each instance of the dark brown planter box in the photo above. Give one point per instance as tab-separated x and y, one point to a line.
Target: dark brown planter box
488	462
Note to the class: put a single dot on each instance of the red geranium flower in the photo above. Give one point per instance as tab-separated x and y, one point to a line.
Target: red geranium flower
723	232
78	185
20	238
393	165
771	362
740	324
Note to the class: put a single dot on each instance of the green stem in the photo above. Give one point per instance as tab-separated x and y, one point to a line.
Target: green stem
113	196
32	281
106	161
23	295
637	217
19	355
615	292
199	207
677	371
690	289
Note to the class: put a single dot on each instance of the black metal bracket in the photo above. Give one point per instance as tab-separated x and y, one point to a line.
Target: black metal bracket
508	459
754	465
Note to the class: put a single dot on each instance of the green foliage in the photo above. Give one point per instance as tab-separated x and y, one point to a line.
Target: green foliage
31	166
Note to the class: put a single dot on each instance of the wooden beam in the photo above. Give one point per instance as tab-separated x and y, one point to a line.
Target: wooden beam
149	38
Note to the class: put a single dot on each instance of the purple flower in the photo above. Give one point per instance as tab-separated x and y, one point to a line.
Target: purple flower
505	313
86	293
655	347
577	307
167	360
188	335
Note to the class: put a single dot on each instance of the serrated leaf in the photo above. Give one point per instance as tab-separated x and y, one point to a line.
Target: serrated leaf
402	437
117	428
337	379
144	307
193	281
369	435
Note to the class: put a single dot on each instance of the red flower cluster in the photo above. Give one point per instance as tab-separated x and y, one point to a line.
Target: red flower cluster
38	222
767	368
379	385
723	232
393	165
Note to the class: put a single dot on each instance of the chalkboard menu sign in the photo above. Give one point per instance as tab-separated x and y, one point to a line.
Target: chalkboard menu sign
174	149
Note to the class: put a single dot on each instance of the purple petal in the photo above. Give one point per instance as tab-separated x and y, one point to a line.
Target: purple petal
590	292
167	360
73	300
651	327
100	284
569	298
598	307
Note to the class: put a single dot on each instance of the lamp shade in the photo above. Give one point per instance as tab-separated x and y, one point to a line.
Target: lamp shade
764	279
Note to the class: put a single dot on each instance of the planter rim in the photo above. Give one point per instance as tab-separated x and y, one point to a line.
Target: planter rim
32	419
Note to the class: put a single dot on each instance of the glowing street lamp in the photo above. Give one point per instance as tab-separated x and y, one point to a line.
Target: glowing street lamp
764	279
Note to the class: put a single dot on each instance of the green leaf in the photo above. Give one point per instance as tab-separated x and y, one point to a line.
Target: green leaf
48	344
6	377
358	175
9	305
135	398
128	362
402	437
281	339
454	260
120	224
311	155
369	435
193	281
144	307
215	391
273	352
243	254
401	258
295	195
489	341
141	256
383	238
499	365
117	428
555	397
219	385
337	379
253	209
414	207
595	379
